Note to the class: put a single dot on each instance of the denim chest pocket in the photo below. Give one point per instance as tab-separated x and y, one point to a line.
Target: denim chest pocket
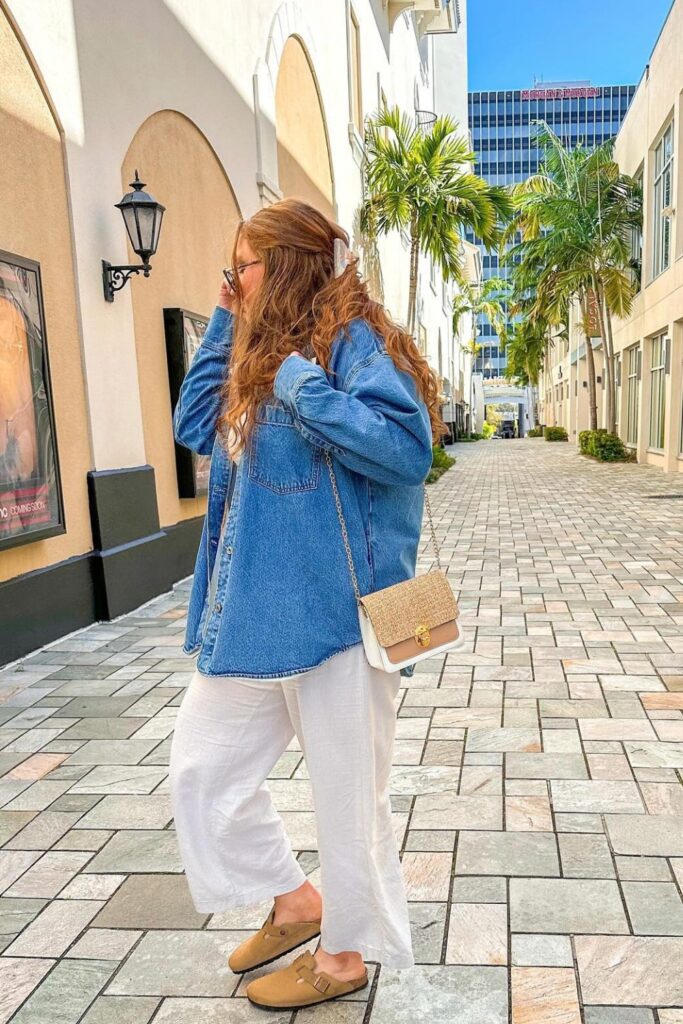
278	456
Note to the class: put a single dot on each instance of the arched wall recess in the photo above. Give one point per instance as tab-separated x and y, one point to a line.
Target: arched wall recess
279	119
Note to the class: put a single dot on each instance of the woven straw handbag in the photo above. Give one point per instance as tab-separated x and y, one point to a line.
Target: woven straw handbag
408	621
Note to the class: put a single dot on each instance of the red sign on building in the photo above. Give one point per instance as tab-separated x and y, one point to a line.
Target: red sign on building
569	93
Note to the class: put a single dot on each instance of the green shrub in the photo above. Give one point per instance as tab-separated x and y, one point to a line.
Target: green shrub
555	434
488	430
441	458
602	445
535	432
441	461
608	447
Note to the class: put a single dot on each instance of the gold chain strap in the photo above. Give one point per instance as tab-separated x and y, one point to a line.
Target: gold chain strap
345	536
431	527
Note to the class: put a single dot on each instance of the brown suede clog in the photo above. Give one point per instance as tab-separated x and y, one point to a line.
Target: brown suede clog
270	942
299	985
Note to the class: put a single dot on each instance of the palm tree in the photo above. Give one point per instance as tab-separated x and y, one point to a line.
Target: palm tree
529	334
576	216
533	323
617	200
487	298
461	305
418	181
525	346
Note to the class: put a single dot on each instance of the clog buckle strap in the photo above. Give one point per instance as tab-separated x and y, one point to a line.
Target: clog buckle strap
304	971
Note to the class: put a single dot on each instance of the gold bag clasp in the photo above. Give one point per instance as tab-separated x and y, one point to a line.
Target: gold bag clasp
422	635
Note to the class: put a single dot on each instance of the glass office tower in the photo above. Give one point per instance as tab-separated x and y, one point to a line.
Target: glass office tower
501	125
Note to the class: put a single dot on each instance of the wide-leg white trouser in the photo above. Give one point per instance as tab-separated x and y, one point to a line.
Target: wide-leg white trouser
235	850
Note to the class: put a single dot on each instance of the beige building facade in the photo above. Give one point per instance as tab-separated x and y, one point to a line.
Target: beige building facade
649	344
221	108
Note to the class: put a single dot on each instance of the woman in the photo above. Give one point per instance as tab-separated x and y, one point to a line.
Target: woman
296	361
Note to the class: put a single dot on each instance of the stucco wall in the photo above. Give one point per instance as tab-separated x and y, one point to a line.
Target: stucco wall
302	153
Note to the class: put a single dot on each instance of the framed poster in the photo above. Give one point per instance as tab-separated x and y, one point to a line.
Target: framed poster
184	332
31	505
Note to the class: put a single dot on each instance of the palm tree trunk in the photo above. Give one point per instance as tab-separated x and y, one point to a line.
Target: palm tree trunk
590	365
532	407
610	342
608	321
609	398
610	392
412	290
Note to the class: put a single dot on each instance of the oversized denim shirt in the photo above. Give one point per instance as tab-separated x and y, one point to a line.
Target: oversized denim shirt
284	599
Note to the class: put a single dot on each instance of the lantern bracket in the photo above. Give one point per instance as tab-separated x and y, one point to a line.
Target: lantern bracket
114	278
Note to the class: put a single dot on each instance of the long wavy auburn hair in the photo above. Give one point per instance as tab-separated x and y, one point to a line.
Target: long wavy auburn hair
300	304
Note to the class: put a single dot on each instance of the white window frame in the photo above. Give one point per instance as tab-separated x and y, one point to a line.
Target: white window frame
632	361
637	243
356	83
658	347
662	199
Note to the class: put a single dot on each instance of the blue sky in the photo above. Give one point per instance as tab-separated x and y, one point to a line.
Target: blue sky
606	41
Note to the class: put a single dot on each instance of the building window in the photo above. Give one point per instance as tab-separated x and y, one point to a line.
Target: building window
663	178
657	391
356	90
632	404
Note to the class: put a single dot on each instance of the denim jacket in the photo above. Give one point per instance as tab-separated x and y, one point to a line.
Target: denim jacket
284	599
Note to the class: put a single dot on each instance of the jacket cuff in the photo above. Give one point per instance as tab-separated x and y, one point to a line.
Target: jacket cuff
218	333
292	372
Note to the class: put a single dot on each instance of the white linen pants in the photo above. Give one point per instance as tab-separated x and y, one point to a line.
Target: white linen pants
229	733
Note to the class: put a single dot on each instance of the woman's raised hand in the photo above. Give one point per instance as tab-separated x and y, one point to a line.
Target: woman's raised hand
226	297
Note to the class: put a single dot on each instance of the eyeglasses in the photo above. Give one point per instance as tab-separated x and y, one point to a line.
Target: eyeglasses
229	275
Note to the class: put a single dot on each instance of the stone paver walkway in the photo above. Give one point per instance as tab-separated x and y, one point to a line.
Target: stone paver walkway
537	785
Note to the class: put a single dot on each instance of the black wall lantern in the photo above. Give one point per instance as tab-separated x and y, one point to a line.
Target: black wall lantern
142	215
